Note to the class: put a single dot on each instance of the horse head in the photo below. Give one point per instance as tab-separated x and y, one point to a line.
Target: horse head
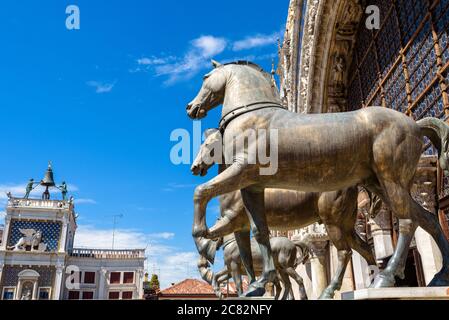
211	94
235	85
204	159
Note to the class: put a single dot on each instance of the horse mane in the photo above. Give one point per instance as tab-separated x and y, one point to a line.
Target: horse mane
250	64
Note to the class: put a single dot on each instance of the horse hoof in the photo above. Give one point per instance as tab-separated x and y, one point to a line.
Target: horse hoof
383	281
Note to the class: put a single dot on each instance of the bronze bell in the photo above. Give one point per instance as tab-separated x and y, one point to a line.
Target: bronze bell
48	180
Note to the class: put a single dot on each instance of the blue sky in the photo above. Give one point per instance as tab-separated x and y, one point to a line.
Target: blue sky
101	102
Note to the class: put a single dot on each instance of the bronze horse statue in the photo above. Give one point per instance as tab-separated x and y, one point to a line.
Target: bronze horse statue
378	148
285	210
287	256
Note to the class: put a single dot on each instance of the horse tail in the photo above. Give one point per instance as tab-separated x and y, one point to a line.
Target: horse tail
205	271
438	133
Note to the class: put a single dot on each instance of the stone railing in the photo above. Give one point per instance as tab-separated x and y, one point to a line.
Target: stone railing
108	254
38	203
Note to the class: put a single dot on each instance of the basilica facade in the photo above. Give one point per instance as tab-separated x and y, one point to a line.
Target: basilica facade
333	60
38	260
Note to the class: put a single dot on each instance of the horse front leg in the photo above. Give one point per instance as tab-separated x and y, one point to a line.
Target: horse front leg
227	181
255	206
243	239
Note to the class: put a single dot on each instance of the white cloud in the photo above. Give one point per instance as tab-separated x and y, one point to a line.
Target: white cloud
197	56
101	87
145	61
259	40
209	46
163	235
195	59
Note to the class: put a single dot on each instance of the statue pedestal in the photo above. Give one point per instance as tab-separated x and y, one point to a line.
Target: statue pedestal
434	293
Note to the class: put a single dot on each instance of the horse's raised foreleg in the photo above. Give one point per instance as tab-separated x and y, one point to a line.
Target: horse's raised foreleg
219	278
227	181
243	240
254	202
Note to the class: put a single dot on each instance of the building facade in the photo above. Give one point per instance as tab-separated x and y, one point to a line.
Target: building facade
38	260
334	60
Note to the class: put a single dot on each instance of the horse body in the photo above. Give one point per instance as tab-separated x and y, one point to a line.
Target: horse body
376	147
285	210
319	153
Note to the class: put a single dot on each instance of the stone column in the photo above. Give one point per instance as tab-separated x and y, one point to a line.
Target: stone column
63	238
139	283
318	258
381	232
424	191
6	233
57	293
35	289
19	290
102	284
2	265
362	271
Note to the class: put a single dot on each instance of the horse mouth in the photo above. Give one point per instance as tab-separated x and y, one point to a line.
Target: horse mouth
199	171
196	112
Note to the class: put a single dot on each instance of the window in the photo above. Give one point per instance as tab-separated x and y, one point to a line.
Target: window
89	277
127	295
128	277
44	293
115	278
8	293
114	295
74	295
88	295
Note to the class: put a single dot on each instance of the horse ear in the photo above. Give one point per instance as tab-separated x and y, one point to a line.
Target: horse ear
215	64
210	132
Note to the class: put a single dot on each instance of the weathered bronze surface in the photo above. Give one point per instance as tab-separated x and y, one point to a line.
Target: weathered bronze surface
378	148
286	210
287	256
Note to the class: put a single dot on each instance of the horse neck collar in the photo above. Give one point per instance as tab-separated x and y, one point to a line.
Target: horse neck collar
236	112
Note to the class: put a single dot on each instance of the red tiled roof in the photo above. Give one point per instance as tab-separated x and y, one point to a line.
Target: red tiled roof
199	287
190	287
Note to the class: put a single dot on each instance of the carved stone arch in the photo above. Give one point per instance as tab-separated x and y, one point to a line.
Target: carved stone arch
348	18
328	41
29	274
